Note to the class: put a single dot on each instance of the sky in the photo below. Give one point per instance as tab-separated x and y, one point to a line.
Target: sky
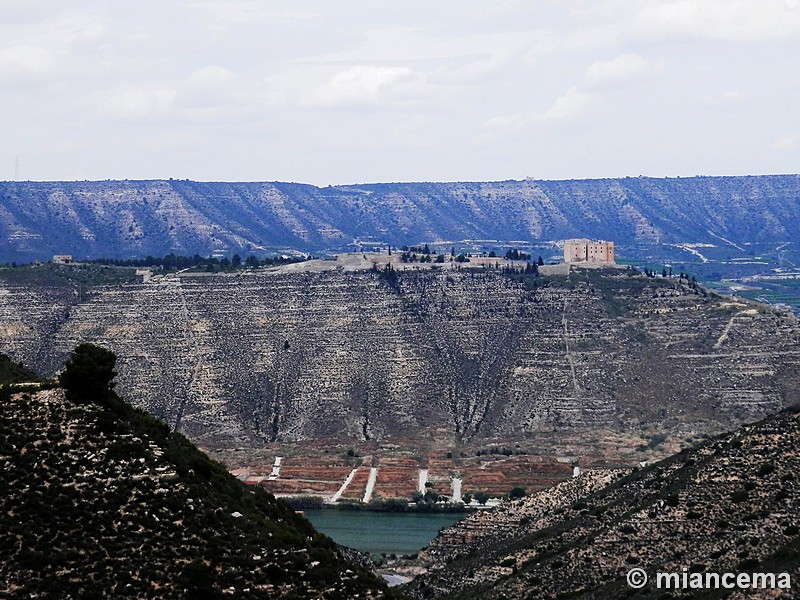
349	92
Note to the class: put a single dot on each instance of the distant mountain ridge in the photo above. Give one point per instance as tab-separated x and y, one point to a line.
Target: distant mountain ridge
137	218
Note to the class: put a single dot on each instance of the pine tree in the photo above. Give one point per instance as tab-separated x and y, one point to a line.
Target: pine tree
88	374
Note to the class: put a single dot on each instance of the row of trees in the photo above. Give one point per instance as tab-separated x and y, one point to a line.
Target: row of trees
426	256
511	253
418	249
407	257
175	262
429	498
668	273
514	254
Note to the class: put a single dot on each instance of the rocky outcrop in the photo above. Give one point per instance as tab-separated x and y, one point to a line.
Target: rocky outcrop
728	506
507	521
465	356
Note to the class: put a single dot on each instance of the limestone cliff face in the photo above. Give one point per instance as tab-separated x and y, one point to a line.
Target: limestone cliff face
137	218
259	357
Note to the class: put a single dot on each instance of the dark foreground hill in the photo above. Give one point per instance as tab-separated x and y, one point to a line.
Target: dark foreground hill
137	218
107	503
11	372
730	505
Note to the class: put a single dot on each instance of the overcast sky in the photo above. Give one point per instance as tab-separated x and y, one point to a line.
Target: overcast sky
342	92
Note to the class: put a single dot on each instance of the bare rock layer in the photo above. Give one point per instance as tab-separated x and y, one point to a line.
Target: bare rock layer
254	358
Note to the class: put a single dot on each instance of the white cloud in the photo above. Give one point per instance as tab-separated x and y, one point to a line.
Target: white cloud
365	84
617	71
212	76
248	11
573	104
403	67
502	51
57	33
44	50
179	139
134	102
26	63
787	141
92	32
223	18
208	94
213	93
600	76
507	122
445	55
731	20
725	100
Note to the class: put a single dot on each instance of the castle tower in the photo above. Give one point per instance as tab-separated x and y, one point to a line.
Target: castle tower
593	251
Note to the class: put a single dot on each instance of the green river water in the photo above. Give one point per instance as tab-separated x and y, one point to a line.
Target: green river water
381	532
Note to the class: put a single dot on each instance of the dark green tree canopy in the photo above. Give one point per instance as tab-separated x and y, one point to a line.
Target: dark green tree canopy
88	374
517	492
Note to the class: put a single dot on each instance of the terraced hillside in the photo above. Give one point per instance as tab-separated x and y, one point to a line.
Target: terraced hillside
105	502
727	506
465	358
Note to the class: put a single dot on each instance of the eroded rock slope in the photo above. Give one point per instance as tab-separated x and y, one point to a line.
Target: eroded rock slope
257	357
136	218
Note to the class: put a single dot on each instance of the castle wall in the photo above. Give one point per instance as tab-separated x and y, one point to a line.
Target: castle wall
584	250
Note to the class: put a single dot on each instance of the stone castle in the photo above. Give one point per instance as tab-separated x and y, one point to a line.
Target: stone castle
593	251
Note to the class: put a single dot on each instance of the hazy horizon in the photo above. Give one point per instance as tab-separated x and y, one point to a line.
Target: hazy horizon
407	182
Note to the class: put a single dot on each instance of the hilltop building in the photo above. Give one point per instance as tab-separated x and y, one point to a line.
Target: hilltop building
592	251
146	274
62	259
